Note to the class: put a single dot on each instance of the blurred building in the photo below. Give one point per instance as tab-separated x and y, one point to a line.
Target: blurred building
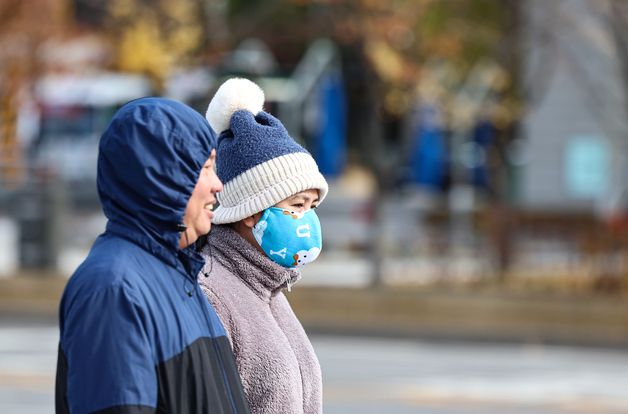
575	131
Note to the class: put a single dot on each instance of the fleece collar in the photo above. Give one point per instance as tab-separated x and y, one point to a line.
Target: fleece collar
263	276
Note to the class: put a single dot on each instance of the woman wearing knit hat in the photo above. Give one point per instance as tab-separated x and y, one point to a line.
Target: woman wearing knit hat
265	229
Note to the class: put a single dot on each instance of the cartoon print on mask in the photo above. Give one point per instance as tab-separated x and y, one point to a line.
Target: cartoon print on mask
295	214
286	240
303	257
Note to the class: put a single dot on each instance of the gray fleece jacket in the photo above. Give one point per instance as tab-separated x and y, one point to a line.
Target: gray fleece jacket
279	369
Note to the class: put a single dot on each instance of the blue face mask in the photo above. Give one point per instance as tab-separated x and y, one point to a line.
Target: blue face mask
289	238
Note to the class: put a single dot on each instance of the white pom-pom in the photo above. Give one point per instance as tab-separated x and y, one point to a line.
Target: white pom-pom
233	95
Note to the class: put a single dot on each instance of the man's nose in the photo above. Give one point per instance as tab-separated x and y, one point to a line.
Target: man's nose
217	186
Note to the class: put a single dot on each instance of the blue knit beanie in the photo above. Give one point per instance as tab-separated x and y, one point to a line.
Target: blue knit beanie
258	162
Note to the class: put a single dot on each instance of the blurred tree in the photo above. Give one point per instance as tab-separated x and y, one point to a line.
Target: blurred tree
408	41
24	26
154	37
389	52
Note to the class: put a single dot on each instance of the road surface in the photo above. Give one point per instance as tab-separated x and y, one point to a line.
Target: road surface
369	375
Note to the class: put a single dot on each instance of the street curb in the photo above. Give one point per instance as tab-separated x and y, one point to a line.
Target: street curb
421	312
31	295
468	315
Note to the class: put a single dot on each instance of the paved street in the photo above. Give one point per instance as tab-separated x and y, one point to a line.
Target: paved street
388	376
28	353
385	376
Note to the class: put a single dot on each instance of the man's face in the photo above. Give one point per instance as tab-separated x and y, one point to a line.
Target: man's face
199	210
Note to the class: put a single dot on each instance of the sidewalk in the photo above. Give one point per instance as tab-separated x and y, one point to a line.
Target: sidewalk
425	312
31	295
438	313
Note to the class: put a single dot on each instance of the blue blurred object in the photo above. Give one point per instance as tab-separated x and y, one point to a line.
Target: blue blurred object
483	136
329	142
427	164
587	166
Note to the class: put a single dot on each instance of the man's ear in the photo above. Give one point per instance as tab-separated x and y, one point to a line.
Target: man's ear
251	221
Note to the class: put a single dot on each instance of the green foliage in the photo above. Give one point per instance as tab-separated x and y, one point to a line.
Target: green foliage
398	37
473	27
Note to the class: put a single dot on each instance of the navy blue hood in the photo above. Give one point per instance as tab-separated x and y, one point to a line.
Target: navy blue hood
149	161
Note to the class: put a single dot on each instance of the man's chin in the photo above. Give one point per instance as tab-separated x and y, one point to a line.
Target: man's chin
207	229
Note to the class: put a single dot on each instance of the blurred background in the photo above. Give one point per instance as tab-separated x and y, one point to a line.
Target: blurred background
476	245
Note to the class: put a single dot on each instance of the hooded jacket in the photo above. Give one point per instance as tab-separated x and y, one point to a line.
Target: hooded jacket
279	369
137	335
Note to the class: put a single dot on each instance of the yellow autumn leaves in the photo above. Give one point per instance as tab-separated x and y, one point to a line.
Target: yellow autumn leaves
152	39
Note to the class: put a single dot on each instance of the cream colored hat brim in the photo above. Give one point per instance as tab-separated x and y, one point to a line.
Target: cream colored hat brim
267	184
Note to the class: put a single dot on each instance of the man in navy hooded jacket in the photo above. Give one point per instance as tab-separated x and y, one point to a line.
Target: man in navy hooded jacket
137	334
